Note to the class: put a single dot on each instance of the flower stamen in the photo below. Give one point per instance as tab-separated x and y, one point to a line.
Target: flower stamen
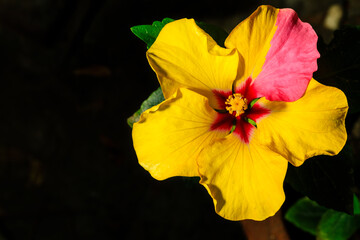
236	103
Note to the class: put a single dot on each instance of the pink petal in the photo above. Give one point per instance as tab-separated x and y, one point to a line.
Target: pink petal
291	60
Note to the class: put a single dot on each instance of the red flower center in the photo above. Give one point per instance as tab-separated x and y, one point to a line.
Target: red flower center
235	111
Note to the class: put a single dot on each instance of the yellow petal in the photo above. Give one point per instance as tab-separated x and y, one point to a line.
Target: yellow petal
183	55
244	180
252	39
168	137
313	125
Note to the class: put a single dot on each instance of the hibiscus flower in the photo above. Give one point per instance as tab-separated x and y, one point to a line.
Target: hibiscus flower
236	116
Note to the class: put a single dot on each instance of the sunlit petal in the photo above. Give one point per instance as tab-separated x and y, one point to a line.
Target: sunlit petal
183	55
169	136
313	125
244	180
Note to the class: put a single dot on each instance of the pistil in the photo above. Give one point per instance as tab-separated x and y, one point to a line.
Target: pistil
237	104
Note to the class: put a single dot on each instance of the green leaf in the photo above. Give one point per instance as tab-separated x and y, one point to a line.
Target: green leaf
149	33
339	64
306	215
154	99
336	225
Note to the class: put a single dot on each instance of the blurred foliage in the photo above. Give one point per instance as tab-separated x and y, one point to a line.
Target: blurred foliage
328	180
306	214
325	224
339	64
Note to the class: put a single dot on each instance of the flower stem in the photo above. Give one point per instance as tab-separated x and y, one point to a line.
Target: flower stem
272	228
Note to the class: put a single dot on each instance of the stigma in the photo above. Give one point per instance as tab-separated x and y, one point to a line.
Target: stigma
237	104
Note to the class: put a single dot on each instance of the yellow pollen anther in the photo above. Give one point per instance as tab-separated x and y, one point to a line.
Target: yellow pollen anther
236	103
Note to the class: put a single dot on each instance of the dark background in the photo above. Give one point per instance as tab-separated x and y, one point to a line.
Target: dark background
71	72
